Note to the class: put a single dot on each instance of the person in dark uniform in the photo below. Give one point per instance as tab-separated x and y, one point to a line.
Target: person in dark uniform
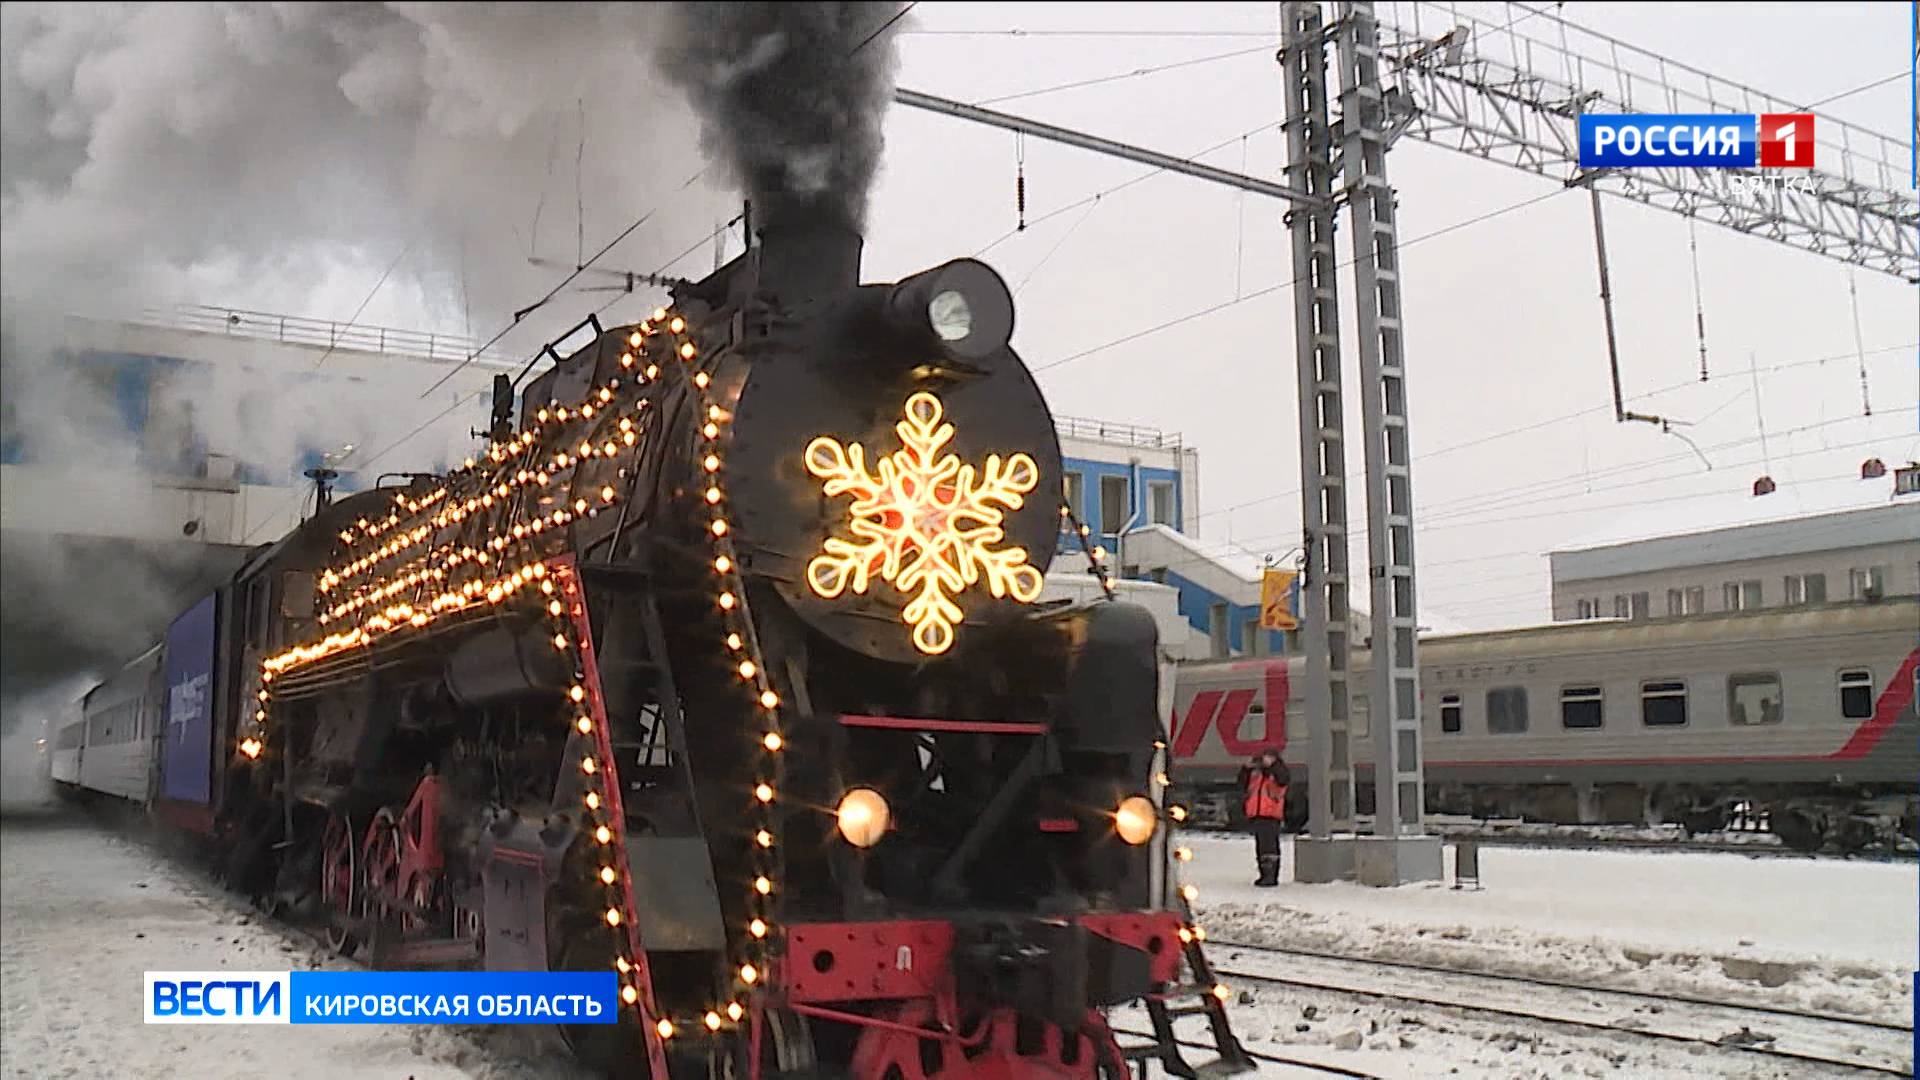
1263	779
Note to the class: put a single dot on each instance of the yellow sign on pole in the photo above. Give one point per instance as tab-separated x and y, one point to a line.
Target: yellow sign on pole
1276	601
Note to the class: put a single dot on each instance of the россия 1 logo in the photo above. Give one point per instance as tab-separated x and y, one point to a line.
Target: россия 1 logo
1767	141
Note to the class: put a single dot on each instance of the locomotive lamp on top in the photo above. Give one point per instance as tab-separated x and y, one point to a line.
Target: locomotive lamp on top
962	308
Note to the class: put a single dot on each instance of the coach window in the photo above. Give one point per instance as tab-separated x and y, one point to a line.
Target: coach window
1663	704
1450	713
1754	698
1507	710
1856	693
1581	707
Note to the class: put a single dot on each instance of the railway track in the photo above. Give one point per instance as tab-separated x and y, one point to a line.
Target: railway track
1259	1056
1601	842
1785	1034
1586	841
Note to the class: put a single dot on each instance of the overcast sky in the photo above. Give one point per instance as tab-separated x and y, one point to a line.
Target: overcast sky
1503	325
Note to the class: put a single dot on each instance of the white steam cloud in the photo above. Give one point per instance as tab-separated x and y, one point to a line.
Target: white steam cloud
281	157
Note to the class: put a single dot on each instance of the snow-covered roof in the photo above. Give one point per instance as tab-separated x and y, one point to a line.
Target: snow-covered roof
1227	556
1759	536
1709	513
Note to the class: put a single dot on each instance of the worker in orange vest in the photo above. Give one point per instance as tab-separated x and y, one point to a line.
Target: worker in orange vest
1264	780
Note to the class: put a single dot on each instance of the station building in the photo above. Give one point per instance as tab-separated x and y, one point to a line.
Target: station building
142	458
1863	553
1137	489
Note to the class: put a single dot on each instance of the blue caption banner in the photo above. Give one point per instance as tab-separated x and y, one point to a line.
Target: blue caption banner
382	997
1683	139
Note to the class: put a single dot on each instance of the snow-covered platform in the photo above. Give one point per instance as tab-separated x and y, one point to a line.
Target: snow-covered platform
84	912
1816	935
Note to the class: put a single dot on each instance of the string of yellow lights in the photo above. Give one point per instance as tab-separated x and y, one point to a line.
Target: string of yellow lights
748	663
1096	554
1191	932
501	520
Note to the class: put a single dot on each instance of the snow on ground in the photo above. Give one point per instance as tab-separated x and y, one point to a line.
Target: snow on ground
1811	934
84	912
1395	1041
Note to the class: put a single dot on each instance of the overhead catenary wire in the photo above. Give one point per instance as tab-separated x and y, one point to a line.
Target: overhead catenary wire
521	315
882	28
1057	244
371	293
1576	414
1466	511
1123	185
518	317
1862	88
1277	286
1018	32
1452	521
1136	73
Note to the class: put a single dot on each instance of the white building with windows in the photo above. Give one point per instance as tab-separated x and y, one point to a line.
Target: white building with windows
1860	554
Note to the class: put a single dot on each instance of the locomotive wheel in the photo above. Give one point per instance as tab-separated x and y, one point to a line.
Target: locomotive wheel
342	896
1001	1044
382	871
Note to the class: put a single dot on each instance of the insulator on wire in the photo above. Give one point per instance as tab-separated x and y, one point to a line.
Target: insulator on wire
1020	179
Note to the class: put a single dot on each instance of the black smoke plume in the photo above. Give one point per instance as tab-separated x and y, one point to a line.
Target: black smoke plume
791	98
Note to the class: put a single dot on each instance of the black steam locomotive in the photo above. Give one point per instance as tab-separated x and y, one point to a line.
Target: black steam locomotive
723	668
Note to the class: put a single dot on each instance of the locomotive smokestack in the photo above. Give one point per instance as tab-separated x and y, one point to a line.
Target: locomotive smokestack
801	259
792	97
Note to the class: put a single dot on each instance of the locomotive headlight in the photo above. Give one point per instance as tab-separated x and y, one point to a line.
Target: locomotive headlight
950	316
1135	819
864	817
963	309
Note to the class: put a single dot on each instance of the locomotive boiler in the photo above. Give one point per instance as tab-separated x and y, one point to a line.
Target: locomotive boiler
722	668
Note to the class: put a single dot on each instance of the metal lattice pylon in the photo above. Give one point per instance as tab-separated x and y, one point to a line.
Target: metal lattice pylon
1323	464
1503	93
1393	672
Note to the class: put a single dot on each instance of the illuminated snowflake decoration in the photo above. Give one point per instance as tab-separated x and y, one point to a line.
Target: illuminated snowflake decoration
926	523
